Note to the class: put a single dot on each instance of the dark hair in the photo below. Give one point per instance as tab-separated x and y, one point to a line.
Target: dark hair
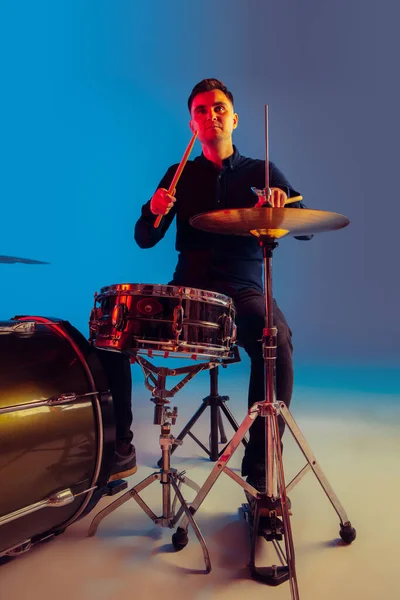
208	85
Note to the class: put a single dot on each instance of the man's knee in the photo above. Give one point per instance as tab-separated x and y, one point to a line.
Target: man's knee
284	336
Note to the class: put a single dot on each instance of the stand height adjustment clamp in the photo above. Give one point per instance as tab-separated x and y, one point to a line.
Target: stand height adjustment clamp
172	414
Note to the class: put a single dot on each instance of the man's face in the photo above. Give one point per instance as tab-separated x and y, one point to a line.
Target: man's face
212	117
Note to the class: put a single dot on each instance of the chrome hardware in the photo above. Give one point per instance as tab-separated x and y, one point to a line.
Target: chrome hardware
23	328
263	195
118	317
172	414
178	320
52	401
227	328
57	500
61	399
17	550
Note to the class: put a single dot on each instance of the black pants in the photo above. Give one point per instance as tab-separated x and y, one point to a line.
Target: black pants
117	368
250	320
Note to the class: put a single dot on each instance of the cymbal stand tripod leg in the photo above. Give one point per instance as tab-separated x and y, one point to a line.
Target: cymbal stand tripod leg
347	532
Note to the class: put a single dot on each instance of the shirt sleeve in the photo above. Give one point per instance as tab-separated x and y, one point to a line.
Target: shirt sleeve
146	235
278	179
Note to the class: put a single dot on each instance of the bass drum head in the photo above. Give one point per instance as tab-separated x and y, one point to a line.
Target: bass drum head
57	429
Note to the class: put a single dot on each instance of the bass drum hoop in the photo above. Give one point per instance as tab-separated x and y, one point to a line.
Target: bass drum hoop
55	324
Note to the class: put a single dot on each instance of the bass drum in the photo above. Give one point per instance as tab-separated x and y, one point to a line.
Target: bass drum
57	430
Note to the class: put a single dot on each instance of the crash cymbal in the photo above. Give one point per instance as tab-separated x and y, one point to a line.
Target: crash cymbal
271	222
27	261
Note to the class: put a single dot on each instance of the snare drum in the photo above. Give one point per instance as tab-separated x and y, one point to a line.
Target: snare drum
57	430
163	320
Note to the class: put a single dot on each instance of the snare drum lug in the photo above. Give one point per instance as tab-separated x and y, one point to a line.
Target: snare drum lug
234	333
228	330
178	321
94	322
118	317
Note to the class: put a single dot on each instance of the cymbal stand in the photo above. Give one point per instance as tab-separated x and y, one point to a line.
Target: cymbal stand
273	502
168	477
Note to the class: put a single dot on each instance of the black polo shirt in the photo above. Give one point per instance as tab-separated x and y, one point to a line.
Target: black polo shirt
210	260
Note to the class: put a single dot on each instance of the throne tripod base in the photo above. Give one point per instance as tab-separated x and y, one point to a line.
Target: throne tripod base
218	409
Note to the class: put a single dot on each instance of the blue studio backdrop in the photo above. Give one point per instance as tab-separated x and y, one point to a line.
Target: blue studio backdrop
93	111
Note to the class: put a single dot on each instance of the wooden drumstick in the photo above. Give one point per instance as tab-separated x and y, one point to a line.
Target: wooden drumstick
294	199
287	201
178	172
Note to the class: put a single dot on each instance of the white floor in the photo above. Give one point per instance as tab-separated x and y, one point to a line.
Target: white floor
132	557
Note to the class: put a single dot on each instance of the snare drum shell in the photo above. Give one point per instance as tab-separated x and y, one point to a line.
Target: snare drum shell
163	318
45	449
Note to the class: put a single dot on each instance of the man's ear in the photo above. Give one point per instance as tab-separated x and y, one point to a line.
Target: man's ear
192	127
235	120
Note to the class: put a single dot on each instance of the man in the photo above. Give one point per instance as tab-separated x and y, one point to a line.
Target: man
232	265
117	368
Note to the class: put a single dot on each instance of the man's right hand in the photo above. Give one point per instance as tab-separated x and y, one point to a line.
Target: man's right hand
162	202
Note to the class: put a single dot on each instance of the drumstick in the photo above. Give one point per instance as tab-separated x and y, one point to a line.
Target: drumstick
288	200
178	172
294	199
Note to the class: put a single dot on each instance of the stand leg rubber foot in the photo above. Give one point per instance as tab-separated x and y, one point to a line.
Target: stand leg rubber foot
273	575
180	539
347	533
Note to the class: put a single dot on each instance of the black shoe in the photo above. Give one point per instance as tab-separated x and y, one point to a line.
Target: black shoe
125	461
259	482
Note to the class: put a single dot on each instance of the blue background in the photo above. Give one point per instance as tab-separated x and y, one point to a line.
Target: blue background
93	111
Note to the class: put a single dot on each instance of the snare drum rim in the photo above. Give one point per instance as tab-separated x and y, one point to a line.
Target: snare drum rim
164	290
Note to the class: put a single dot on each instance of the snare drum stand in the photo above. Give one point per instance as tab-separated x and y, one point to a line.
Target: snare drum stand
218	408
263	509
167	476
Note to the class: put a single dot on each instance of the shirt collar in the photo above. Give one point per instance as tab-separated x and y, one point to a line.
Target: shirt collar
228	163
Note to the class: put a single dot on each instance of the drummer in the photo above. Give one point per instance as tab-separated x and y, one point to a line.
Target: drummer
222	178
